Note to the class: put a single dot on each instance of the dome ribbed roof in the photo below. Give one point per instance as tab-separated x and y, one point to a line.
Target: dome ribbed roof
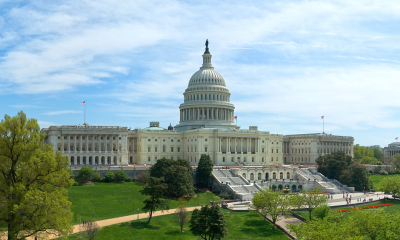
207	76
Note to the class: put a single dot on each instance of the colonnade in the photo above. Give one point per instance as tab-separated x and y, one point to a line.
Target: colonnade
91	143
393	152
206	113
239	145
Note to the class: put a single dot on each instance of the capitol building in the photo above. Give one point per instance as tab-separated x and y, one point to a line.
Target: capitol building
206	126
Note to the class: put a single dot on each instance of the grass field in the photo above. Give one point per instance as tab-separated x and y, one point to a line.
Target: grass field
376	179
241	226
110	200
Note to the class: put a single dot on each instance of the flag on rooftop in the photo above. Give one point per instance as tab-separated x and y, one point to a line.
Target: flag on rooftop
396	138
322	117
83	103
234	118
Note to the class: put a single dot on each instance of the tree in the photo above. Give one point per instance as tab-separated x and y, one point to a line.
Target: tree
109	177
369	223
181	213
321	212
143	178
378	154
178	176
204	171
33	181
208	222
155	191
91	230
390	185
332	165
121	176
271	203
360	152
313	198
369	160
85	174
355	176
395	161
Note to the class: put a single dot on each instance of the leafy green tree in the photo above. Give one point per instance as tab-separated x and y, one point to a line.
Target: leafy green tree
181	214
121	176
369	160
208	222
360	152
355	176
378	154
85	174
109	177
178	176
155	190
271	203
321	212
33	181
312	198
204	171
395	161
369	223
332	165
390	185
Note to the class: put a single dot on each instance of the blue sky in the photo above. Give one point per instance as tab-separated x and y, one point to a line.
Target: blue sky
286	63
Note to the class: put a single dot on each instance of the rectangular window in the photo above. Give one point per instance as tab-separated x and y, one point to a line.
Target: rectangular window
108	138
172	140
272	150
223	159
179	140
113	138
148	140
205	149
232	159
155	140
262	159
65	138
155	149
172	158
148	159
179	149
252	159
205	140
101	138
244	159
155	158
262	149
272	159
276	158
277	150
119	138
58	137
148	149
172	149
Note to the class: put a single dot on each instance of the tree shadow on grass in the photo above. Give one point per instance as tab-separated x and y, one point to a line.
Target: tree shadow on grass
139	225
174	233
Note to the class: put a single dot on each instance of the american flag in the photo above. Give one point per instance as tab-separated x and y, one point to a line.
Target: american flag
322	117
234	118
83	103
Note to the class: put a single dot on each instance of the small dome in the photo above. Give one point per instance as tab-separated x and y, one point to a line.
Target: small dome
207	76
170	127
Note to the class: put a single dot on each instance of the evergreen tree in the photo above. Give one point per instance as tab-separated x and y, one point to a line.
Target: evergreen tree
204	171
208	222
155	190
33	181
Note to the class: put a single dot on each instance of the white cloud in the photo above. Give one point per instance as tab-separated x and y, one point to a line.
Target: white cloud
61	112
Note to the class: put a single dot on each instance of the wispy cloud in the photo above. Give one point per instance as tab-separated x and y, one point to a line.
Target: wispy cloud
61	112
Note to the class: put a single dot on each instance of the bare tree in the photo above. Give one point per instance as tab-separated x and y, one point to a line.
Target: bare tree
91	229
181	213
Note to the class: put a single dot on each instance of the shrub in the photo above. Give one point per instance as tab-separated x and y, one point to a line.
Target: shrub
273	187
96	177
280	187
294	187
383	172
109	177
85	174
128	179
121	176
144	178
300	187
225	196
135	179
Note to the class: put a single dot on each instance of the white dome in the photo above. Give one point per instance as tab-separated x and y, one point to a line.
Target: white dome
206	76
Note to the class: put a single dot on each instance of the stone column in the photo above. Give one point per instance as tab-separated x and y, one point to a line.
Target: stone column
241	145
75	143
87	144
62	144
250	145
69	143
117	143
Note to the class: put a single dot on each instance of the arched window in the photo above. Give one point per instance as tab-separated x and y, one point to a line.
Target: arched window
266	176
287	175
259	176
244	175
251	176
274	176
281	175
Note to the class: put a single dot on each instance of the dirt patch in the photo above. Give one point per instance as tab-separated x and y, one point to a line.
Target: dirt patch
204	189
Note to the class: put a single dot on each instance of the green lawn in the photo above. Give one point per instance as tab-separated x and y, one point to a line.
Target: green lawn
109	200
241	226
376	179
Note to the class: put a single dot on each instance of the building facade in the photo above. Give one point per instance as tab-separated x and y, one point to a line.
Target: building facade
306	148
206	127
392	149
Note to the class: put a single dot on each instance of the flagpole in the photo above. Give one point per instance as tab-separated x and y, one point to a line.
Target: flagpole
323	125
84	120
